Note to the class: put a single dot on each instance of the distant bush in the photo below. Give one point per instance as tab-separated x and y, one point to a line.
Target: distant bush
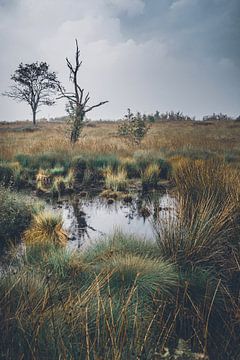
15	216
175	116
57	171
133	128
217	117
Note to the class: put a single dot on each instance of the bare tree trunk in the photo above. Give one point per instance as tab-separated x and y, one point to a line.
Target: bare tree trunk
34	112
77	100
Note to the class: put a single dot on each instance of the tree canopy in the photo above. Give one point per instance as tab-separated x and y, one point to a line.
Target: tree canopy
35	84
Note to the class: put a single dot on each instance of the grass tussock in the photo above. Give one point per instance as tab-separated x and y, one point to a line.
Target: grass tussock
196	178
45	228
15	216
116	181
150	177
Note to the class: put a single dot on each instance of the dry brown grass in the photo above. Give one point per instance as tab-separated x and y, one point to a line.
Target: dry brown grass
102	138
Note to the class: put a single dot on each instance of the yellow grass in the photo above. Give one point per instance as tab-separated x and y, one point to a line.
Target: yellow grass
102	138
46	228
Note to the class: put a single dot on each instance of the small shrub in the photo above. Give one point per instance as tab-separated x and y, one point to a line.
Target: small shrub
92	176
133	128
119	243
195	178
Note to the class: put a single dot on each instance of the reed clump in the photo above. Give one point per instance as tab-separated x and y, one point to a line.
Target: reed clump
116	181
150	177
45	228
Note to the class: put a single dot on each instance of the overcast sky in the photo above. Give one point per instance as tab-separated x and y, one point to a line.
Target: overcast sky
143	54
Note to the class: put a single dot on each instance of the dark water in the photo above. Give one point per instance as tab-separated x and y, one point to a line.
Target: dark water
88	219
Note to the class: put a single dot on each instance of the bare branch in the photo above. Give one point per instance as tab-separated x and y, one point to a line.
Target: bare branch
94	106
77	105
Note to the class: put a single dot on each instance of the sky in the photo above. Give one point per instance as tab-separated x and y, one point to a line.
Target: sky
147	55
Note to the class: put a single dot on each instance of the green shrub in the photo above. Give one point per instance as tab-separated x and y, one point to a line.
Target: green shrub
58	187
15	216
133	128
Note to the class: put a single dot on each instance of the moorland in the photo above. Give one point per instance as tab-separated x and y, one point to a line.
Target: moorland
176	297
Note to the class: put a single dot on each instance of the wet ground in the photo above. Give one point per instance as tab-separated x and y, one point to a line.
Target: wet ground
91	218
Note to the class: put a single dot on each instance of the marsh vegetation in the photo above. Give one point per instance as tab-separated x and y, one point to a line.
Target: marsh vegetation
122	296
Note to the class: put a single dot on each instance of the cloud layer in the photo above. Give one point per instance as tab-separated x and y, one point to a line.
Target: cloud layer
147	55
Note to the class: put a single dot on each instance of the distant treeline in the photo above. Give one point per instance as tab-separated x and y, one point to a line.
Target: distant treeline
166	116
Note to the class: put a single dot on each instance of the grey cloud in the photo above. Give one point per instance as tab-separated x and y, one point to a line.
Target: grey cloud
165	54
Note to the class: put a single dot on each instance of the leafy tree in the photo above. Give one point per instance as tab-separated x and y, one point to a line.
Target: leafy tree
77	106
134	128
35	85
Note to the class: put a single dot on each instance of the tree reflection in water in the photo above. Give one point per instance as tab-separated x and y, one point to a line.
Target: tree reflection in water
82	223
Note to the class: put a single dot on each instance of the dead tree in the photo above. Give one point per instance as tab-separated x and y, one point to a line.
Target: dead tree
77	106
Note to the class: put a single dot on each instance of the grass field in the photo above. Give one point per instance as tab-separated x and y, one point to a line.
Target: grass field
184	137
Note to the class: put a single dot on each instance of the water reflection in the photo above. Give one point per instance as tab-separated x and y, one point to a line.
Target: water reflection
89	219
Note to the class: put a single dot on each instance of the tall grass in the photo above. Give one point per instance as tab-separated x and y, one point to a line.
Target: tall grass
199	233
118	299
197	178
201	237
116	181
52	310
150	177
